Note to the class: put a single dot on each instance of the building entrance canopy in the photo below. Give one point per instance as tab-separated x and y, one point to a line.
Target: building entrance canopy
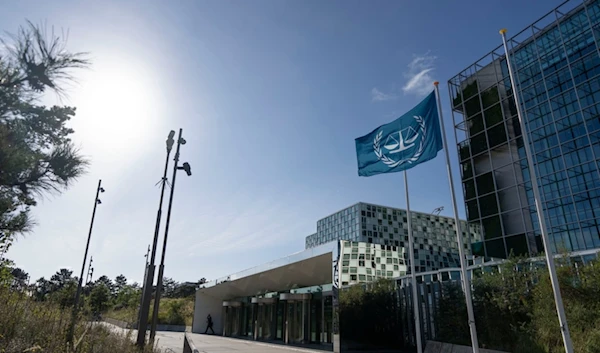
308	268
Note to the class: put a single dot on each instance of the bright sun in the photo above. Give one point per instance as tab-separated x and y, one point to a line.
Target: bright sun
116	107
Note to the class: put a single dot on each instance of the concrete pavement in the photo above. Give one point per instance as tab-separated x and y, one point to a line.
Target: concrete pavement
172	342
167	341
220	344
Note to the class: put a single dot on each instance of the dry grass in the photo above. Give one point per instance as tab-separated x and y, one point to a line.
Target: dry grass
30	326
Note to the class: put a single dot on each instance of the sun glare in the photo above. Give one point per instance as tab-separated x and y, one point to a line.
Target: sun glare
116	107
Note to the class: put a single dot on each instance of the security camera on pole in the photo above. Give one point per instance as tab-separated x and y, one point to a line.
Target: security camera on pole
186	167
149	278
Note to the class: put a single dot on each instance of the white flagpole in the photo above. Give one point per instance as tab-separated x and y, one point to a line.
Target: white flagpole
562	318
459	238
413	278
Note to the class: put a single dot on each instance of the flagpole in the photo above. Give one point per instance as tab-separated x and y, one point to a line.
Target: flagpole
459	238
413	278
562	318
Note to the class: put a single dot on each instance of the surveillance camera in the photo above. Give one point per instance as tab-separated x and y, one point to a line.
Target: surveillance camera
98	201
182	141
102	189
187	168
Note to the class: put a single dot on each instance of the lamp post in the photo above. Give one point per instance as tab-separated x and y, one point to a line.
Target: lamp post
149	278
147	256
71	330
186	167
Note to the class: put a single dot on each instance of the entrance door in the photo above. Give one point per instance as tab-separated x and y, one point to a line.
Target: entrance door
328	311
235	321
315	325
281	317
249	320
295	321
265	320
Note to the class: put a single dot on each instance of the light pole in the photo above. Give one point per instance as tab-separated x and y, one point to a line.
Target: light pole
186	167
149	279
147	256
71	330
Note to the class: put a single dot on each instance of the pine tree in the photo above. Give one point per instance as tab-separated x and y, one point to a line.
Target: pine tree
36	154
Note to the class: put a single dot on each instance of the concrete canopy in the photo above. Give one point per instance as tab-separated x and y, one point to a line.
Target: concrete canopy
311	267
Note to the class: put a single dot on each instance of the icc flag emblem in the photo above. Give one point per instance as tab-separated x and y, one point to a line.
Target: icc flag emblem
411	139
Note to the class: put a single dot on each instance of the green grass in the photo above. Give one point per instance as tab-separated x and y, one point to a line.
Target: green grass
178	311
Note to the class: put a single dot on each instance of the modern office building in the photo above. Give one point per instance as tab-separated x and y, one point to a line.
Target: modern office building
557	67
292	300
381	233
364	262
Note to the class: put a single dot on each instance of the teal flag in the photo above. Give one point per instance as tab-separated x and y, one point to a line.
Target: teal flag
411	139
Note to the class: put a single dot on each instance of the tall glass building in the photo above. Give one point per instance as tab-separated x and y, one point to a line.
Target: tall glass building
557	67
386	228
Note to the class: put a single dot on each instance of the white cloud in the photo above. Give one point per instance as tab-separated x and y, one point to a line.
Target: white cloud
378	96
419	80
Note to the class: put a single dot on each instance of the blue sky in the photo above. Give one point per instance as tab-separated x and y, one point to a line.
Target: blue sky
270	94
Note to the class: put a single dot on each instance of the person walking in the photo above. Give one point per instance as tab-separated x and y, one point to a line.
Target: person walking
209	324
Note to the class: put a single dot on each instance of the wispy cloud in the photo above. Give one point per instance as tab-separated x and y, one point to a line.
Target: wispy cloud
378	96
419	80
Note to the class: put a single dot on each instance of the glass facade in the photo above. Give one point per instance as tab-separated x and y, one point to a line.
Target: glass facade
364	262
557	67
383	230
298	316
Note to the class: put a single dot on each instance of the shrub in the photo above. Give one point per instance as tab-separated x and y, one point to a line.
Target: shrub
28	325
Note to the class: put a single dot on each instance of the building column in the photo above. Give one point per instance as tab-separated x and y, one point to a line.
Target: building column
336	339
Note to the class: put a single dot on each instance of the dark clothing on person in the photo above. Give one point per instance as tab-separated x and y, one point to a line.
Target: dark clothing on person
209	325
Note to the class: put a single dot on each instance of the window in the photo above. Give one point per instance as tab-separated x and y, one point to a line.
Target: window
485	183
491	227
488	205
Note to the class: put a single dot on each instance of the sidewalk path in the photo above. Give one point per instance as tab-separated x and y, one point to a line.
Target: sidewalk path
220	344
167	341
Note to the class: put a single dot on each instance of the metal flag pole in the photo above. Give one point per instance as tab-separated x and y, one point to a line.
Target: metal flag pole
413	278
562	318
459	238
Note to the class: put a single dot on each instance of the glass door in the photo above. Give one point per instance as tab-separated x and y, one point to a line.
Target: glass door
281	311
315	320
328	311
250	310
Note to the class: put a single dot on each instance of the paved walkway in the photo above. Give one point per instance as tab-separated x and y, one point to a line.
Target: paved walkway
219	344
167	341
